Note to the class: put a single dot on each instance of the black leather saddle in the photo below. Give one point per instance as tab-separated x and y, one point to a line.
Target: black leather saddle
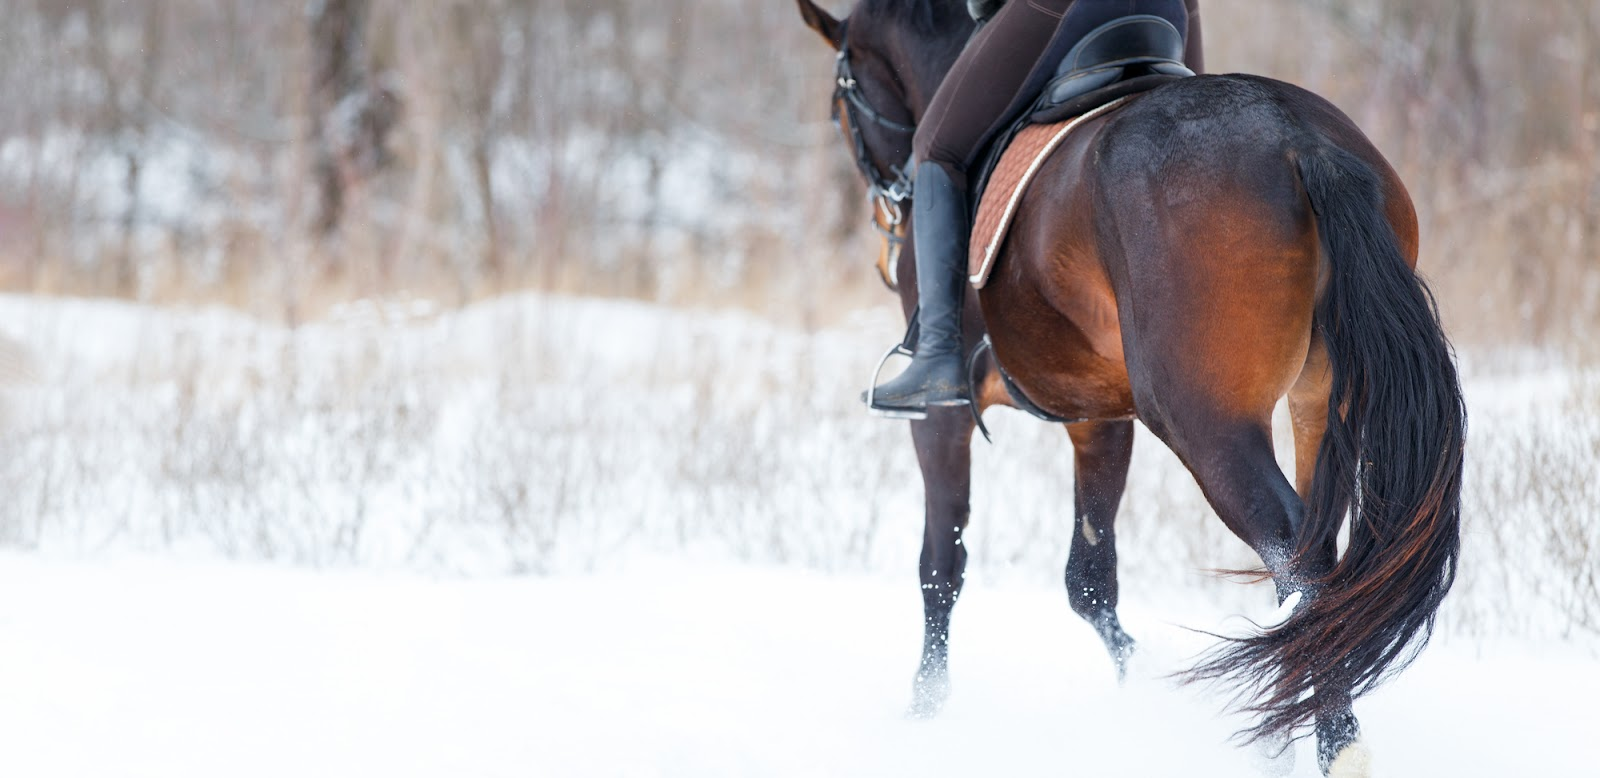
1122	57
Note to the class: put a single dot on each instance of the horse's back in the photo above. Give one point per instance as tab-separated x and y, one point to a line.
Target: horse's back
1245	127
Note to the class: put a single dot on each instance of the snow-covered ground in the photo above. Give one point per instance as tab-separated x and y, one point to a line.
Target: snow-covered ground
140	667
548	434
235	548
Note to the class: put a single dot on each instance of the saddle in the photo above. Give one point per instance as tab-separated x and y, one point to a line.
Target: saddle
1101	72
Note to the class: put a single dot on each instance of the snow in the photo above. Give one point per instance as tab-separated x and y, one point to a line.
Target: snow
545	434
231	547
142	666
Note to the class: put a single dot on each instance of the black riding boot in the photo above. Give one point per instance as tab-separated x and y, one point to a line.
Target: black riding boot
936	375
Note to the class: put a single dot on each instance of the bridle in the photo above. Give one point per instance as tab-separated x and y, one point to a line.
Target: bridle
888	197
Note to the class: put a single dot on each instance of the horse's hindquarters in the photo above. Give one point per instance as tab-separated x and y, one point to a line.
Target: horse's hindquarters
1212	246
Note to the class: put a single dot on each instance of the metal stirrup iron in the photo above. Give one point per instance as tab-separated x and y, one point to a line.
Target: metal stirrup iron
904	349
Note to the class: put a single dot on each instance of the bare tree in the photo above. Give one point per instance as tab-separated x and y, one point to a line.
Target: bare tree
628	148
351	114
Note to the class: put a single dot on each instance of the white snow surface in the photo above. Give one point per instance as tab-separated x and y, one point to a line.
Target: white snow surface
152	667
234	548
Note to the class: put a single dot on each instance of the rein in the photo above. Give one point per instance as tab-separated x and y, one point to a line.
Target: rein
887	196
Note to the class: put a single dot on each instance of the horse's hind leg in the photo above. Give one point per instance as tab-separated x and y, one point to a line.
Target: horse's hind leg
1308	413
1101	452
1234	465
944	452
1337	729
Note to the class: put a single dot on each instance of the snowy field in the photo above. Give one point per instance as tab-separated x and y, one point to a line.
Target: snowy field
161	669
548	536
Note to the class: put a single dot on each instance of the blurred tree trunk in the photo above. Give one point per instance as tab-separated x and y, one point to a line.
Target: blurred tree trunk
123	119
1588	14
335	73
1473	104
479	41
351	115
483	173
137	139
335	42
659	144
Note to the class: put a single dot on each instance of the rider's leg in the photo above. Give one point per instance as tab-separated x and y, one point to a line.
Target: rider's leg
978	90
937	374
1193	55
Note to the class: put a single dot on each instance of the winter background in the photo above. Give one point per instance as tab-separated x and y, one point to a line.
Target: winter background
398	387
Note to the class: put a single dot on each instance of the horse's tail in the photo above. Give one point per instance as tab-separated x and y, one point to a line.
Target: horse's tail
1391	459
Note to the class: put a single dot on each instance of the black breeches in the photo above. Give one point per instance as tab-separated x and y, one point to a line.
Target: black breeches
993	80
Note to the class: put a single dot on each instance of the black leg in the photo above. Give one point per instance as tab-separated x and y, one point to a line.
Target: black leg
1236	468
944	452
1338	732
1101	452
1338	736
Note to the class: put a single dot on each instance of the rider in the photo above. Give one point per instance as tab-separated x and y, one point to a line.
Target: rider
979	89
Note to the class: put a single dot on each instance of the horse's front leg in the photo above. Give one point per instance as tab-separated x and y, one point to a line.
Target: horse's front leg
1101	453
944	452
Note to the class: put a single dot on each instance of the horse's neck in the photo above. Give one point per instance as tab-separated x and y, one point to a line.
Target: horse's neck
922	63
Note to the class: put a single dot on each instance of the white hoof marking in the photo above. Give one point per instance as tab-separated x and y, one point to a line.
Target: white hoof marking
1355	761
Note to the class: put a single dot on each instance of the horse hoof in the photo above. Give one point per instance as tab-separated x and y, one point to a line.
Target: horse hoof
1353	761
1340	751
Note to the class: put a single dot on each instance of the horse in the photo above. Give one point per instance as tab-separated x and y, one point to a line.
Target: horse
1188	260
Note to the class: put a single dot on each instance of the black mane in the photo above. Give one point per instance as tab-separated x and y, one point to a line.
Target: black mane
929	17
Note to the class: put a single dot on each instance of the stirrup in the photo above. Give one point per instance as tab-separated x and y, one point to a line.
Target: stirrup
884	411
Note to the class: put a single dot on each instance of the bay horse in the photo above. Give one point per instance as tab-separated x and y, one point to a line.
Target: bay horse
1188	260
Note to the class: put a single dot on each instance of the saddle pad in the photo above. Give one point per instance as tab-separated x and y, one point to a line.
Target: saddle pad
1018	165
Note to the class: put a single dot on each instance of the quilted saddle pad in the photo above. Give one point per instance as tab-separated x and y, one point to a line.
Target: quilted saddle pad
1019	163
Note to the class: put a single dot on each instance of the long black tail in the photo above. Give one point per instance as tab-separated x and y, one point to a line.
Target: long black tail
1391	459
